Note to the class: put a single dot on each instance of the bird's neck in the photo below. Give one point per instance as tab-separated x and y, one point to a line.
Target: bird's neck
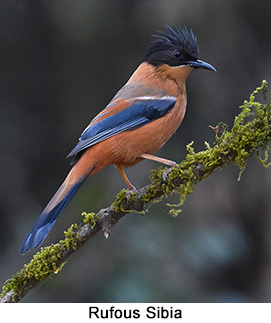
169	78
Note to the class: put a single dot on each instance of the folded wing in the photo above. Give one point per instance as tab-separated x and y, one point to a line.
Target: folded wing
120	116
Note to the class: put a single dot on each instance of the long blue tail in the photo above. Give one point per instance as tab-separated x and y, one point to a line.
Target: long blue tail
49	215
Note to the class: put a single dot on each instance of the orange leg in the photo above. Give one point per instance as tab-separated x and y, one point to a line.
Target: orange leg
129	184
159	160
164	161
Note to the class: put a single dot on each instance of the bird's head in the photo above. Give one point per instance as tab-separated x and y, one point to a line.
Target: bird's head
175	47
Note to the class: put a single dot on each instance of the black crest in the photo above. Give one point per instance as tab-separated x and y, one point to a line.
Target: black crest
173	47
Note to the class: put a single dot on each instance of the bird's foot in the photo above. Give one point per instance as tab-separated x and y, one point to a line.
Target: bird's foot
131	191
168	170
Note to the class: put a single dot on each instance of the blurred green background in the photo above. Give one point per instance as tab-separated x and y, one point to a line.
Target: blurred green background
61	62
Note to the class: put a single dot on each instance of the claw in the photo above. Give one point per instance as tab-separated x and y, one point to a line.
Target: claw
131	191
167	171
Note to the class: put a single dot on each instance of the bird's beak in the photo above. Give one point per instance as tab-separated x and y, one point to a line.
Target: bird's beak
200	64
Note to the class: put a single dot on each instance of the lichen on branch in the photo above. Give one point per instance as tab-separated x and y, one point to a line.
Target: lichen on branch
249	135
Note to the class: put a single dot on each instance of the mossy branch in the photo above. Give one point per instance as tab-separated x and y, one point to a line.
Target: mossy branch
250	134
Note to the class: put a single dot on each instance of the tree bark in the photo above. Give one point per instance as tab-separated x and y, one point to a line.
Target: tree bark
249	134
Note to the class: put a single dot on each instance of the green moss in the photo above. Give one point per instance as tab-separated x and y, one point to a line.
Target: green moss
156	175
41	266
265	159
90	218
43	263
71	237
122	197
250	133
117	205
151	192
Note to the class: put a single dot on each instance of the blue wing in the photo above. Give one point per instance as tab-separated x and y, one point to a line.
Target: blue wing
123	116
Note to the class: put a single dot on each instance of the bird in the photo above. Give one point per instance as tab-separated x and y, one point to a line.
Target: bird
139	120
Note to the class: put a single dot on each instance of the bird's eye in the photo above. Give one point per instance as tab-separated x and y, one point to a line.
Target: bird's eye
177	54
